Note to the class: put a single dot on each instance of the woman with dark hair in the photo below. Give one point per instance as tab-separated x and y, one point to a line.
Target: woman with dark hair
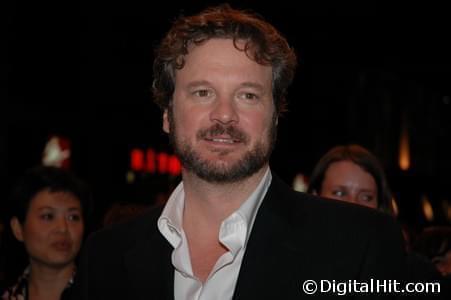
352	174
48	206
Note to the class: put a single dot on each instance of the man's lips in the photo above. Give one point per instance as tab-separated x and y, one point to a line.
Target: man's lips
223	140
222	135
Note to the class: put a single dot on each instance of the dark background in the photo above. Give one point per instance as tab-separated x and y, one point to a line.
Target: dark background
83	70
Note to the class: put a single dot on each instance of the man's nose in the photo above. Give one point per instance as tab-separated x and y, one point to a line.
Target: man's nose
224	111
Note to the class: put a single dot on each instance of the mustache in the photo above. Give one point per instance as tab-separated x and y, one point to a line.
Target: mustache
219	129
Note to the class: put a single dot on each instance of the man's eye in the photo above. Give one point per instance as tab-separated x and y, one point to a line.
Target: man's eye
249	96
202	93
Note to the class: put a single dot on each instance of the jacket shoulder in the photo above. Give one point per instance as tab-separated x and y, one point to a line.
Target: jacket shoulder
302	207
127	233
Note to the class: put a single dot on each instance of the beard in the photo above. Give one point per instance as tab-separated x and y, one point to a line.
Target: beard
216	171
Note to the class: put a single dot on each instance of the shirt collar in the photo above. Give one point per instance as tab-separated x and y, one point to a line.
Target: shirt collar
235	229
170	221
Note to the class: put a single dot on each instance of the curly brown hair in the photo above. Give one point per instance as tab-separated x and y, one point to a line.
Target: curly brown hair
263	43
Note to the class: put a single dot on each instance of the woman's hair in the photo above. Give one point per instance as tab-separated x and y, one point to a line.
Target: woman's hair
361	157
263	43
43	178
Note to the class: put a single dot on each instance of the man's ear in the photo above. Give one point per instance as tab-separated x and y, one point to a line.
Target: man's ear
16	227
166	121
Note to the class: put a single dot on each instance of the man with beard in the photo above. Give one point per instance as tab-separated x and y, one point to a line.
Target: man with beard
232	229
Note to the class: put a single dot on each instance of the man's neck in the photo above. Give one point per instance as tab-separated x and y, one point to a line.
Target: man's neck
207	205
210	203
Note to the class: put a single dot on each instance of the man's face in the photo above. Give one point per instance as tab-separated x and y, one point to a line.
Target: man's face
222	119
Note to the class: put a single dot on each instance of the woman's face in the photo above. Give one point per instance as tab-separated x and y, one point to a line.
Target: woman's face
347	181
53	228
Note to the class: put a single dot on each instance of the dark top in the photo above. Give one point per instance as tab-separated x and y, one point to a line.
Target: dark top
295	237
19	291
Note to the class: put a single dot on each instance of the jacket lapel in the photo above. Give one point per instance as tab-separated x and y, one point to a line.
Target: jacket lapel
270	250
149	269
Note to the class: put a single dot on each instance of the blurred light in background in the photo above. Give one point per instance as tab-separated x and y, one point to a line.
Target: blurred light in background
404	149
428	212
395	207
130	177
163	162
300	183
137	160
57	152
154	162
447	209
175	167
150	161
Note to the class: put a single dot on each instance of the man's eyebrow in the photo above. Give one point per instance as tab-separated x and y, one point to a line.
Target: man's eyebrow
198	83
254	85
250	84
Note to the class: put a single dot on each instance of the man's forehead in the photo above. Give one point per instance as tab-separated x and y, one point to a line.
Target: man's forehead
221	56
242	46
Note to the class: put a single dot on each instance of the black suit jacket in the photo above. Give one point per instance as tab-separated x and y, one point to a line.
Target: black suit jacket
295	237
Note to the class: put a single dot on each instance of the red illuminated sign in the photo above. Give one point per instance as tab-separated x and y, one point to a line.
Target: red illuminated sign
153	162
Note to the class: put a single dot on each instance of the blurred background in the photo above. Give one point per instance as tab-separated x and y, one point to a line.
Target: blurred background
77	77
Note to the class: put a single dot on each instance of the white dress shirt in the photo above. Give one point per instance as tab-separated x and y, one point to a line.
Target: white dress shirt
233	234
